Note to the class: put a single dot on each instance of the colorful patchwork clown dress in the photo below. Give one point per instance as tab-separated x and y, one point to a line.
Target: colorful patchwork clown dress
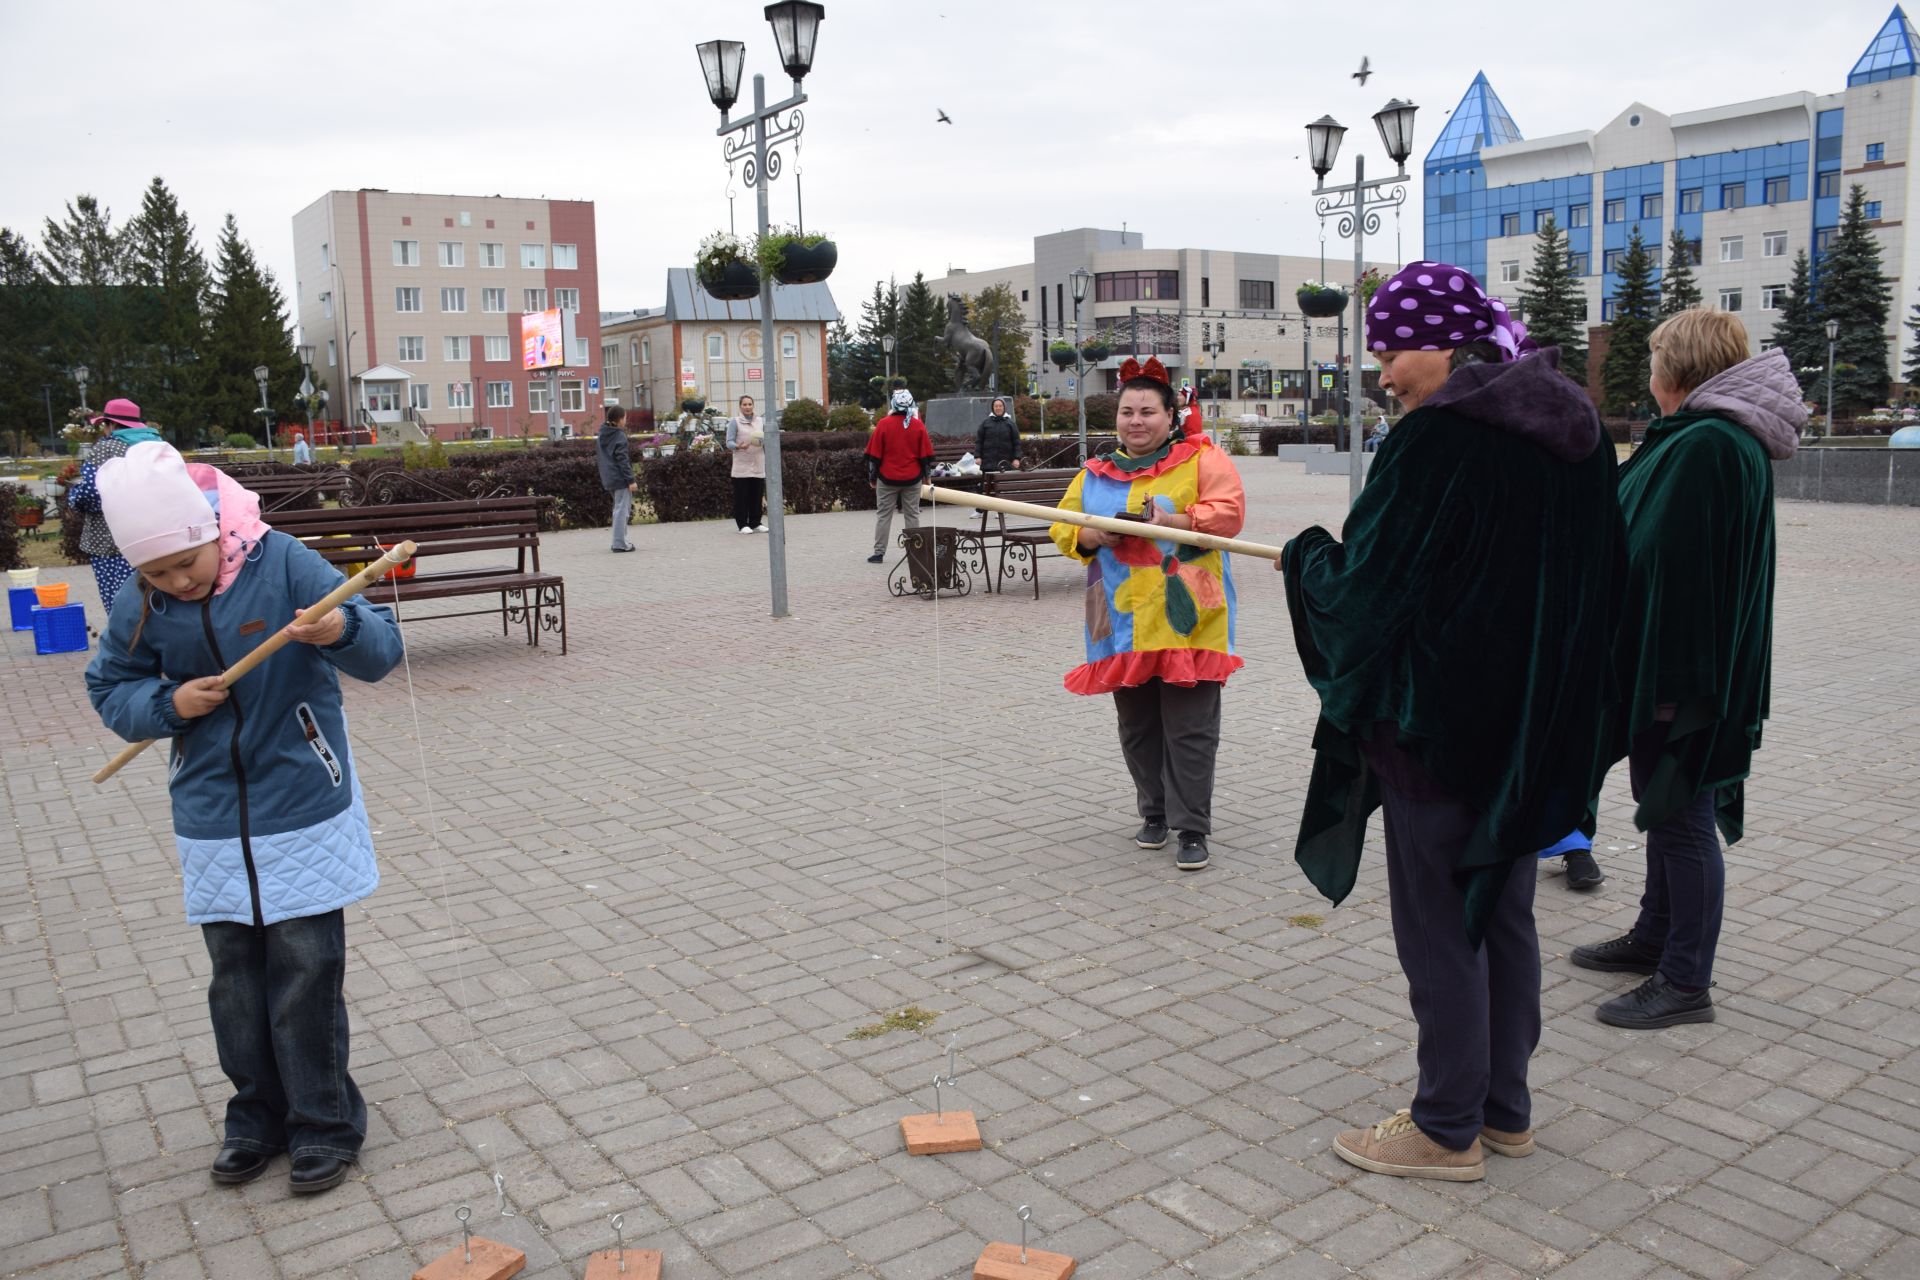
1157	608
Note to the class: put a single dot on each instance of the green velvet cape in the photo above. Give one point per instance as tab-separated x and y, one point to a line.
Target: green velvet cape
1471	604
1697	631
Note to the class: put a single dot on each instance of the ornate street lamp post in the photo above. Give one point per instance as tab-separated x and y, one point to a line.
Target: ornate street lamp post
1079	277
1833	335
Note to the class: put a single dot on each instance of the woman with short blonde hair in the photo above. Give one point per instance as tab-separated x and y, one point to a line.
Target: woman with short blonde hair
1695	644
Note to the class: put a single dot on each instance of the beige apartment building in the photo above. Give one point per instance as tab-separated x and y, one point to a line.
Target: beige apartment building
412	304
695	339
1203	312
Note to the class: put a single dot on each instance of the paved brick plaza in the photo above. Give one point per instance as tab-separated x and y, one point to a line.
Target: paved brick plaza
635	899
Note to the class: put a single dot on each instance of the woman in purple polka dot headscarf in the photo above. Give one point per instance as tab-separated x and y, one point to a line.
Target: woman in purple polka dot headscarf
1430	306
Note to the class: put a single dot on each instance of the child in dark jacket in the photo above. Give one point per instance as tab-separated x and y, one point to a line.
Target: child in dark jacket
273	836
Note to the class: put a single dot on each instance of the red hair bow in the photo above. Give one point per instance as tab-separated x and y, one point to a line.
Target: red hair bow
1132	369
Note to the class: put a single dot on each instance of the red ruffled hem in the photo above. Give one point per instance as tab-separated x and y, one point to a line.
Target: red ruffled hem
1174	666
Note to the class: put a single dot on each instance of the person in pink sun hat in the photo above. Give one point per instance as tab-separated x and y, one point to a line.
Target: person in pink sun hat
125	429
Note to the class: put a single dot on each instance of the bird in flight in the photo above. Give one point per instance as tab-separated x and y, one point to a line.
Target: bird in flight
944	118
1366	69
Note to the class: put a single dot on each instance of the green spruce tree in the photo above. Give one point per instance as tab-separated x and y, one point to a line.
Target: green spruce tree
1623	373
920	358
1911	373
879	319
1854	290
842	387
28	377
166	265
1799	331
247	326
84	260
1555	302
1678	289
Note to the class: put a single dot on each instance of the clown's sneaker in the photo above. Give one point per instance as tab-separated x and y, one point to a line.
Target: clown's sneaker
1398	1148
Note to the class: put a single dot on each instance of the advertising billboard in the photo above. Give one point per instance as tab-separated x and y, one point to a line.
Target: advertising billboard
542	342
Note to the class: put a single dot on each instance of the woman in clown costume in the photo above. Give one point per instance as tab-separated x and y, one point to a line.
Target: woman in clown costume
1160	615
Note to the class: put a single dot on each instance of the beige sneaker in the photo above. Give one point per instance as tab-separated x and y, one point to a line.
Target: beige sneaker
1397	1147
1502	1143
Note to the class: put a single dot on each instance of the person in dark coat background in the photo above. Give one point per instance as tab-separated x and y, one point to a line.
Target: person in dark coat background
997	442
616	472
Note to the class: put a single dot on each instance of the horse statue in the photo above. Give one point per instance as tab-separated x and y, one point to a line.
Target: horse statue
975	369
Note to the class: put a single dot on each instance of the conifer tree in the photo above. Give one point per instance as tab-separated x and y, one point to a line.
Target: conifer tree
879	319
919	357
1623	373
1854	291
27	376
84	260
166	265
247	326
1678	289
1555	302
1799	332
1911	373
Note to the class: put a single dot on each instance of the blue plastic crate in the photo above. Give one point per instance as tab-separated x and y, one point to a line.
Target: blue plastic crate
21	602
61	629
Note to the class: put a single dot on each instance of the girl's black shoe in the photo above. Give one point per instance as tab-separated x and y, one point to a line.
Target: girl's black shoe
234	1166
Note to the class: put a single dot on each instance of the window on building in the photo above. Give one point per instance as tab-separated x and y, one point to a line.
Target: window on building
1578	263
494	300
406	299
567	299
1690	200
406	253
566	257
1827	185
1510	271
326	258
1733	248
716	346
1773	244
1653	206
1606	310
1256	295
610	365
1578	215
537	400
1023	294
419	396
499	395
789	391
573	396
1610	260
453	299
1509	224
459	395
578	356
453	253
1876	152
1616	211
646	351
412	350
333	353
1779	190
499	347
1733	195
1206	291
1135	286
1693	253
533	257
326	306
789	346
493	255
1541	217
456	347
1872	210
533	299
1730	300
1771	296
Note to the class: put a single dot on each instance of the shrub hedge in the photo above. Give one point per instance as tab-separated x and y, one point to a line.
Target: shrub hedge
10	532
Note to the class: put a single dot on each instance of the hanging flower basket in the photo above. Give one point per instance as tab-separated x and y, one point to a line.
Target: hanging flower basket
1095	352
733	282
1321	301
799	259
1062	354
693	404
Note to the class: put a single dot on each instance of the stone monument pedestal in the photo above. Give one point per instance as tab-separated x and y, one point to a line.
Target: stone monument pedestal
959	415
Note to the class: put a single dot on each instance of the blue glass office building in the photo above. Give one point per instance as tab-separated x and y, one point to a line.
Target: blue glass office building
1749	184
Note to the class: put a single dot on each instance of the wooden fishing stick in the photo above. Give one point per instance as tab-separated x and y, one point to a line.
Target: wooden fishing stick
1132	528
393	559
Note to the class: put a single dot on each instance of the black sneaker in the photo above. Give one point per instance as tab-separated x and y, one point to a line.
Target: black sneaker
1656	1003
1582	871
1625	954
1193	852
876	559
1151	835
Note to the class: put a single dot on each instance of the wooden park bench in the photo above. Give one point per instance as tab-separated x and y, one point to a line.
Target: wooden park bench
355	535
1024	543
283	489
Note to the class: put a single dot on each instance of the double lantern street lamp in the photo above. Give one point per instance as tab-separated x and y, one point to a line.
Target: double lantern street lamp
80	380
1359	205
260	375
1833	335
1079	277
886	345
308	396
796	28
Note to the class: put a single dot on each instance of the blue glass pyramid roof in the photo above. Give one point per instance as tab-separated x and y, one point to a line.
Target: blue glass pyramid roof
1481	120
1892	53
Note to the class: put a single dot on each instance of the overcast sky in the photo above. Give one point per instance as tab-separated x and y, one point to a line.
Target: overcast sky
1064	114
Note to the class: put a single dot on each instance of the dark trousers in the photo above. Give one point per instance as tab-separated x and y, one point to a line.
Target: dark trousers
280	1024
1686	878
1478	1010
749	498
1169	736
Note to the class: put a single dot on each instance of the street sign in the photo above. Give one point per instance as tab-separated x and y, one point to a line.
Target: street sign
593	384
1326	381
756	373
1069	385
